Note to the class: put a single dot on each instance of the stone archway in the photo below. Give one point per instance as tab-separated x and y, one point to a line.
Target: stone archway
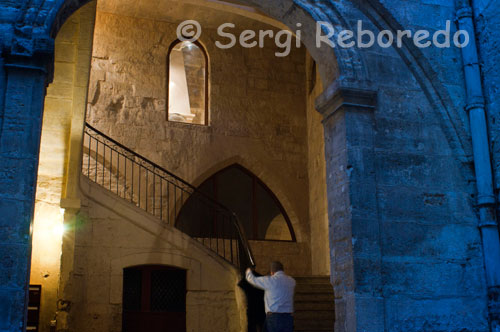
348	106
349	69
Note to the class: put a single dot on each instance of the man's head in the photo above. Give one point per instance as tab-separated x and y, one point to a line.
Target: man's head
276	266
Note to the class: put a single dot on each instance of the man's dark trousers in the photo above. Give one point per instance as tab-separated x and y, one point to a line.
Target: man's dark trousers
278	322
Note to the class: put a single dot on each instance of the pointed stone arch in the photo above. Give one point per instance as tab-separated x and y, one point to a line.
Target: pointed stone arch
266	177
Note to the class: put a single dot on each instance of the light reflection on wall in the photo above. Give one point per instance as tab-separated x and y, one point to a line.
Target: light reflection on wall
48	230
187	84
278	229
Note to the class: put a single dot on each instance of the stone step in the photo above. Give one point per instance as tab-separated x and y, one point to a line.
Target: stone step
319	305
314	304
314	315
314	288
312	279
309	324
314	297
318	329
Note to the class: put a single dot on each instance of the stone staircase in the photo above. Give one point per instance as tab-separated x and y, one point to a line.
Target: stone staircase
314	304
165	196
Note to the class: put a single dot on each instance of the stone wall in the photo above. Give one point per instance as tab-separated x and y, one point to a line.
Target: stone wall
406	248
257	113
64	103
112	235
318	210
403	228
487	16
438	70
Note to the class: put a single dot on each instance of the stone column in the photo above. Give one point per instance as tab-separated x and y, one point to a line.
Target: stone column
355	249
22	90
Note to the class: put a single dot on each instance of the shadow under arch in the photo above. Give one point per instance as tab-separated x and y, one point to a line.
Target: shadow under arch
265	211
270	181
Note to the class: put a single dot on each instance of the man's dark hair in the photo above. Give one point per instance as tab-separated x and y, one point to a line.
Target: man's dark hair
276	266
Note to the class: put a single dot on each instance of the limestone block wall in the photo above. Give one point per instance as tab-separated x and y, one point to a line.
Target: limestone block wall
257	112
406	248
442	67
487	19
406	251
111	235
318	209
64	104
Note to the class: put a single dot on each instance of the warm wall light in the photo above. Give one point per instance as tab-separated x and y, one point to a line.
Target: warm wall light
48	232
49	225
58	230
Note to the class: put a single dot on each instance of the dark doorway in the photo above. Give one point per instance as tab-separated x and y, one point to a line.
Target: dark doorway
154	299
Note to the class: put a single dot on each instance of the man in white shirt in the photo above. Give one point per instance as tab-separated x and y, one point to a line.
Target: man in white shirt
278	298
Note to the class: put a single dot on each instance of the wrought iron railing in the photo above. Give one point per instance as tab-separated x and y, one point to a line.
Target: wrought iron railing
165	196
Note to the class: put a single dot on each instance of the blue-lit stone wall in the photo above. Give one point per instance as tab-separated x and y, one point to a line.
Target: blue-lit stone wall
487	14
19	145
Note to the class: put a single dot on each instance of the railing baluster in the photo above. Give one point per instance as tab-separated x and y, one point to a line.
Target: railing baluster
182	200
132	187
96	158
201	222
238	252
110	167
103	163
168	203
231	243
117	172
216	234
154	194
139	190
224	235
211	228
125	179
90	149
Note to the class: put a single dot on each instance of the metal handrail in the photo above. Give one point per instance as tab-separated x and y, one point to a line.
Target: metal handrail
137	179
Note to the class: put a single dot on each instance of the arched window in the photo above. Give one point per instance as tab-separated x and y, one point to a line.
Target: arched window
187	83
260	212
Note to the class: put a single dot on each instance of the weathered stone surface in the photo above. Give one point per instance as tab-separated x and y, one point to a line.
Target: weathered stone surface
318	209
61	104
487	17
411	176
257	114
115	235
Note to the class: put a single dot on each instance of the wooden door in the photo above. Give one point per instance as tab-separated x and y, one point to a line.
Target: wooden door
154	299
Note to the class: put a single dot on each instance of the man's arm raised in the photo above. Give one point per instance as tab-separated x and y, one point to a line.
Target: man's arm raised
259	282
